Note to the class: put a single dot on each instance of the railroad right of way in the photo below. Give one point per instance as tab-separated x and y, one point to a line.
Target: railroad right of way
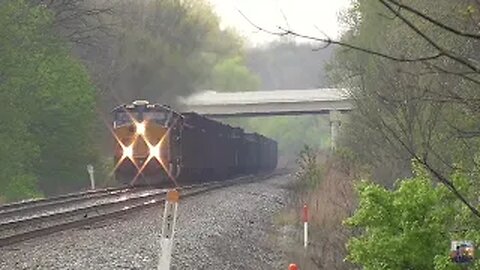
62	214
218	228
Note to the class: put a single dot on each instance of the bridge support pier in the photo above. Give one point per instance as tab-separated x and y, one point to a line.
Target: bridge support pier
334	128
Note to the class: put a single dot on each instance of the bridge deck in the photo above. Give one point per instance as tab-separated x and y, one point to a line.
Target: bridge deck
275	102
274	96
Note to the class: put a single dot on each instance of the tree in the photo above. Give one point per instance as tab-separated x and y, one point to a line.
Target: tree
81	22
47	104
232	75
411	227
157	50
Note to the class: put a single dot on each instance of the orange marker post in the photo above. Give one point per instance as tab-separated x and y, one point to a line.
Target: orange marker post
173	196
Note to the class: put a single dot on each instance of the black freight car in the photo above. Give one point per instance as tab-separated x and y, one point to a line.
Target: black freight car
214	151
207	149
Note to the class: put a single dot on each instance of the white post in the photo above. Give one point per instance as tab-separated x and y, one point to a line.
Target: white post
92	178
168	230
305	226
305	234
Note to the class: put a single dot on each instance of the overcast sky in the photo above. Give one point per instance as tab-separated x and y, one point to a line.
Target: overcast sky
302	16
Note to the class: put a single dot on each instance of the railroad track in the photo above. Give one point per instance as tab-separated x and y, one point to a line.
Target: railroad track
32	227
21	210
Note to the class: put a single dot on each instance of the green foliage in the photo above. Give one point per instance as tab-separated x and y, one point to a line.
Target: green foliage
411	226
63	126
162	49
21	187
232	75
47	105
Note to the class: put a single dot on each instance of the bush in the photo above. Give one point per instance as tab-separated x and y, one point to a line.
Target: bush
310	171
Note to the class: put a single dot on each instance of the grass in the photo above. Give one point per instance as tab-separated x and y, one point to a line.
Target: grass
286	217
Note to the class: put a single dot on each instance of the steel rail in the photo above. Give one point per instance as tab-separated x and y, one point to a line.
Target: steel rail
46	201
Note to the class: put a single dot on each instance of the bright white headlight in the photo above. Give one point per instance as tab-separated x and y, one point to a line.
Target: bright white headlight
140	128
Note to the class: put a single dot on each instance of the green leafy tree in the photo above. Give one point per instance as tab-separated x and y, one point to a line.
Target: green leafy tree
232	75
411	226
63	125
157	50
47	105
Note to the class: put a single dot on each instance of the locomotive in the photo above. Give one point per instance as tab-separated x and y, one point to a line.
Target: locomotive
157	146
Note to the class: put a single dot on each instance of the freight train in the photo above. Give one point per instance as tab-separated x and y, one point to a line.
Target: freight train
155	145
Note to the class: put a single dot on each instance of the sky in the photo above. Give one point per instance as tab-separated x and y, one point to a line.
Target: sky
310	17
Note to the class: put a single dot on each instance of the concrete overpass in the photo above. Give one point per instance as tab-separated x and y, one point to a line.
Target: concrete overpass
261	103
330	101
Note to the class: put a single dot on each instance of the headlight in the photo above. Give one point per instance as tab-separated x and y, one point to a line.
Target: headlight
128	151
155	151
140	128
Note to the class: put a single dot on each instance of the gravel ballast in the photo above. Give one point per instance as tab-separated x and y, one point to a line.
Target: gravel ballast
228	228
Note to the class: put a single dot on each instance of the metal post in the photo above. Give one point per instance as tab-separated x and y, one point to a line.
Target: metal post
90	171
168	229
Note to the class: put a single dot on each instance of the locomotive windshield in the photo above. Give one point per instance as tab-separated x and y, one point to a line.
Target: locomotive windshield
126	116
160	117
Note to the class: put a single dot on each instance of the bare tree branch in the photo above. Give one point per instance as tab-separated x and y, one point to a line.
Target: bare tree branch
435	22
434	44
462	74
328	41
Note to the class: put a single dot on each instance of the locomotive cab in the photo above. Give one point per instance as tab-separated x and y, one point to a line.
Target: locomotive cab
147	137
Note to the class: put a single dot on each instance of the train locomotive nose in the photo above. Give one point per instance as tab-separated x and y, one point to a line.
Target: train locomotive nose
142	150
